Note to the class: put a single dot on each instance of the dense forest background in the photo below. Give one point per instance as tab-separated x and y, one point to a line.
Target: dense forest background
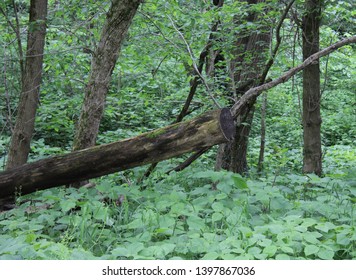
261	203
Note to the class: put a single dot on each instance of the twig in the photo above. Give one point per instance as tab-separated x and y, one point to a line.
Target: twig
159	29
193	87
154	71
278	43
189	160
190	52
16	29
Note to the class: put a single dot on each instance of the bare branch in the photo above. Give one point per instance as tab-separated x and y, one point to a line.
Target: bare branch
190	52
278	42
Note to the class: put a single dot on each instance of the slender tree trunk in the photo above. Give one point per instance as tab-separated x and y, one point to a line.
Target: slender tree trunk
118	20
263	134
31	80
311	90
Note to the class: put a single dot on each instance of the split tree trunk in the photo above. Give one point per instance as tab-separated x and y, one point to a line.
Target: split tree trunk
212	128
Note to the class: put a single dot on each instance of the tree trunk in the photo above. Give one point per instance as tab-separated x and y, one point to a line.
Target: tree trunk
118	20
263	134
212	128
311	90
233	156
31	80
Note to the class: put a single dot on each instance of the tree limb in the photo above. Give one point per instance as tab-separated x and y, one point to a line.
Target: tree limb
256	91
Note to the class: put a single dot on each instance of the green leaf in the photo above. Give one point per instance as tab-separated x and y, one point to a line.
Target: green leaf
325	227
282	257
216	217
264	242
213	175
240	183
162	230
101	213
314	179
310	250
35	227
308	222
228	256
311	237
104	186
224	186
134	248
120	252
301	228
220	196
81	254
178	208
254	251
137	223
287	249
342	239
31	237
166	221
210	256
163	250
325	254
199	245
218	206
270	250
67	204
195	223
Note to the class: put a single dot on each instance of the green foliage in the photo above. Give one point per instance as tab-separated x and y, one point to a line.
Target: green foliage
182	216
197	213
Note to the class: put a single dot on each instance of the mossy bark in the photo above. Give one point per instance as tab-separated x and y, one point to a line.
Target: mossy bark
207	130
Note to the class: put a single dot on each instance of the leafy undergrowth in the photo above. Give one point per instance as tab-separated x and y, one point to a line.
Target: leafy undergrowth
193	214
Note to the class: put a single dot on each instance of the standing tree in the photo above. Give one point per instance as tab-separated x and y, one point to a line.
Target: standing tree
249	59
118	20
31	81
311	89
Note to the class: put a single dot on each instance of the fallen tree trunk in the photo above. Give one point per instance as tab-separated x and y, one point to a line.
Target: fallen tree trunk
212	128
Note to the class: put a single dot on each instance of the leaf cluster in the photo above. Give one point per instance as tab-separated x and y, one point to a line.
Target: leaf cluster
190	215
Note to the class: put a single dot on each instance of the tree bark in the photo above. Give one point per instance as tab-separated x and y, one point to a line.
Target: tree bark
212	128
311	90
31	81
118	20
263	134
233	156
